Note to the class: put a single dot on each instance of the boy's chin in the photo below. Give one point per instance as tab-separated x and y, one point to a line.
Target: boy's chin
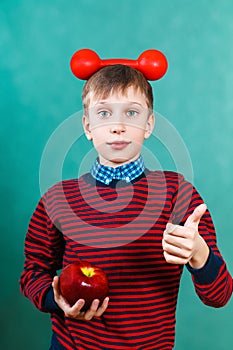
117	162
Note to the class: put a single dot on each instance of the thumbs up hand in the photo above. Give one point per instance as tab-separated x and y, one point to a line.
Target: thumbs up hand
183	244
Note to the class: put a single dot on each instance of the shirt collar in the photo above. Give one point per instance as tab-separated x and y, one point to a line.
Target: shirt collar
127	172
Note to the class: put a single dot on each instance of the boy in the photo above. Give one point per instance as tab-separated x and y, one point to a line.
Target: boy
140	226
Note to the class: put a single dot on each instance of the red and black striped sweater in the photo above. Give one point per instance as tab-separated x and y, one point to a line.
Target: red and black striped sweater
119	228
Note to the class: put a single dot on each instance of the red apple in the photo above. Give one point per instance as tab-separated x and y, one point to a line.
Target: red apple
83	280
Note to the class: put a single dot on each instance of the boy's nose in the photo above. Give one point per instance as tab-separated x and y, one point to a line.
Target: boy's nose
117	128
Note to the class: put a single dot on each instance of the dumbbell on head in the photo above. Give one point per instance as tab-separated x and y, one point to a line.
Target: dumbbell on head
151	63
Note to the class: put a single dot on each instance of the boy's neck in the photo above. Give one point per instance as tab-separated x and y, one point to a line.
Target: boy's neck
117	163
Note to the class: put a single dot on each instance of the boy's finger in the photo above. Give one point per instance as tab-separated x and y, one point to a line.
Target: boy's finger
174	230
55	280
170	227
78	305
92	311
75	310
194	219
102	308
55	285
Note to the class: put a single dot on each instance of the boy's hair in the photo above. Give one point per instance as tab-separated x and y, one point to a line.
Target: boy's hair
116	78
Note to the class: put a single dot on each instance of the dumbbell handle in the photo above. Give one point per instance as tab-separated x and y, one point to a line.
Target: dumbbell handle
151	63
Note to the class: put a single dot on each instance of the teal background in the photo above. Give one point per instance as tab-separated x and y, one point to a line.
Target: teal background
38	92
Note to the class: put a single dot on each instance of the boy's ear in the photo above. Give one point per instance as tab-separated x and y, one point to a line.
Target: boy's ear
149	126
86	127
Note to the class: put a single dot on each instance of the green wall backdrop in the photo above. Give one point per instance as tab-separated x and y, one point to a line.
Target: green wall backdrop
38	92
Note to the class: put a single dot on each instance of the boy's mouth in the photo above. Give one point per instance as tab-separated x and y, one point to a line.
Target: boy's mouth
118	144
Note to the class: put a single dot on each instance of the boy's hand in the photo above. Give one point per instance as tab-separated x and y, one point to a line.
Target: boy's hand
183	244
75	310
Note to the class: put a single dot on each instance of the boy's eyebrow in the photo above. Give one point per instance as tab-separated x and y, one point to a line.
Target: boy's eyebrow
105	102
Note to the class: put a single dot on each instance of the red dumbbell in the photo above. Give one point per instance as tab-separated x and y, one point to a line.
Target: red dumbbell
151	63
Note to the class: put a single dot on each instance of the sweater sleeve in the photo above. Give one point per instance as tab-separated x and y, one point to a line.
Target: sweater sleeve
44	246
212	282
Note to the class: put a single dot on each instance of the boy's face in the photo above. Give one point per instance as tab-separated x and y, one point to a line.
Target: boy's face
118	126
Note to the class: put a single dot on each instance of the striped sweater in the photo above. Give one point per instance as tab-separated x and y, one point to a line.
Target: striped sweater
119	227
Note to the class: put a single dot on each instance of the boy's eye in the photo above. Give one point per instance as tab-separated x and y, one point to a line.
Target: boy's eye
132	113
104	114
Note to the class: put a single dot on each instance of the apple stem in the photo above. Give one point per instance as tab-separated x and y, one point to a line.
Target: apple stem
88	271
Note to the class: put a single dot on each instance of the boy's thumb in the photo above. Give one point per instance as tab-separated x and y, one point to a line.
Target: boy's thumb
194	219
